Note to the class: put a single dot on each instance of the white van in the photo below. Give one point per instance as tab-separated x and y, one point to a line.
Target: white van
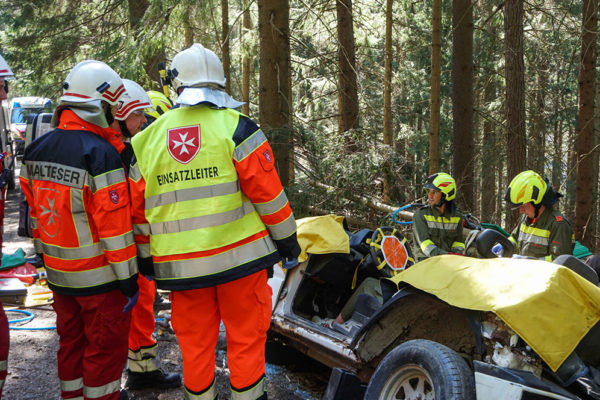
22	108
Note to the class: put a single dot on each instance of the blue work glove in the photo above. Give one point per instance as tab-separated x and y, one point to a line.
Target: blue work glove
149	277
289	263
131	301
498	250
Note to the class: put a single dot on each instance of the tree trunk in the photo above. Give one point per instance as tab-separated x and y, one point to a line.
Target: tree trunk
462	99
489	157
536	154
274	90
387	95
436	68
515	92
247	21
348	90
225	40
585	127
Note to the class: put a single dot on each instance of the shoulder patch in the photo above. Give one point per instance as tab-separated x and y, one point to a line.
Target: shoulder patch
559	218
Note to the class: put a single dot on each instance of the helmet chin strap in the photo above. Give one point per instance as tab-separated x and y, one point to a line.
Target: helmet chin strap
109	117
124	130
537	210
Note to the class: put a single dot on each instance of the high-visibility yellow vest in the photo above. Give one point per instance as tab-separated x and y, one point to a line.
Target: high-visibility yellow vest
193	200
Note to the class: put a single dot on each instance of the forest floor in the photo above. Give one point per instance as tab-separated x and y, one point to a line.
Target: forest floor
32	370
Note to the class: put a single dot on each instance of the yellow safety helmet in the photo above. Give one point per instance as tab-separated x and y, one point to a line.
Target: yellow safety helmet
526	187
161	104
444	183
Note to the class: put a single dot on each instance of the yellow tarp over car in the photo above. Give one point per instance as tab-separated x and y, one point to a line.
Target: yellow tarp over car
322	235
548	306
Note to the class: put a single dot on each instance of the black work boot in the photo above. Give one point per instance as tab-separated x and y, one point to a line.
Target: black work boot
153	379
124	395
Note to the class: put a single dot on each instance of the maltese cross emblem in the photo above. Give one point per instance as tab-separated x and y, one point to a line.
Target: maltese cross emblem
183	143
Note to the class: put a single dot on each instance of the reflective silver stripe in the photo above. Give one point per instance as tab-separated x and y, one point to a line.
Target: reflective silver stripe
245	148
214	264
531	238
134	173
439	225
250	394
3	365
108	179
74	398
146	365
196	193
80	218
272	206
58	173
143	250
125	269
283	229
143	360
93	392
141	229
72	385
204	221
89	278
209	394
24	173
72	253
118	242
429	249
38	246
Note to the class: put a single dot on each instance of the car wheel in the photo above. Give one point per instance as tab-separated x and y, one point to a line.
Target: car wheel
422	369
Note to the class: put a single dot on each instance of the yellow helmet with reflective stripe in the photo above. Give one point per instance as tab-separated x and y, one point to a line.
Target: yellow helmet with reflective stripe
444	183
526	187
160	102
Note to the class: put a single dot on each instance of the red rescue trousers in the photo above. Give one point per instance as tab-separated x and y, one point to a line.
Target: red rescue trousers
4	344
141	342
244	305
92	350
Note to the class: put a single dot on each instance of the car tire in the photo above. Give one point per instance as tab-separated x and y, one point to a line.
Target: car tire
422	369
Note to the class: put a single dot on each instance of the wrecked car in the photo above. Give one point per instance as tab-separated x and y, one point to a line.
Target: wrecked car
450	327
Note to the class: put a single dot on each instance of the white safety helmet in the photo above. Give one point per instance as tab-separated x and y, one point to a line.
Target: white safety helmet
135	98
92	80
5	71
196	66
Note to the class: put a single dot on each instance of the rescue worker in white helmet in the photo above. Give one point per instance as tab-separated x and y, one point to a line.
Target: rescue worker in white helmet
5	74
143	363
205	190
438	226
541	232
75	184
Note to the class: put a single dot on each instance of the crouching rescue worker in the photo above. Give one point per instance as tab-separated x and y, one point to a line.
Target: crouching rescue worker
76	186
5	74
438	227
143	364
207	195
542	232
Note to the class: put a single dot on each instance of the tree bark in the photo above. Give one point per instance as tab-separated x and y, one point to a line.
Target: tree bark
225	40
436	69
536	154
247	21
387	95
462	100
274	90
348	89
489	158
515	92
584	143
